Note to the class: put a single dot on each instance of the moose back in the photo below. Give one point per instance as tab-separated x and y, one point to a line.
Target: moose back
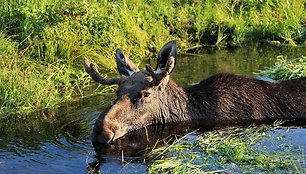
148	96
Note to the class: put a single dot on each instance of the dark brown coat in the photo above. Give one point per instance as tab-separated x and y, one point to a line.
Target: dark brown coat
146	97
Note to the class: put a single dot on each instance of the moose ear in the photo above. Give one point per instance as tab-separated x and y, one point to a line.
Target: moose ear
124	65
167	51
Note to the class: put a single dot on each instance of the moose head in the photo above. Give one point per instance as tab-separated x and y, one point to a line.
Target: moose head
139	96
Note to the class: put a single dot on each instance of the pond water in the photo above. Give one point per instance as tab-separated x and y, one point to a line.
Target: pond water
58	140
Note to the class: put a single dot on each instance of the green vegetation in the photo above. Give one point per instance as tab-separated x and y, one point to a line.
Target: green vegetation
233	150
26	84
286	69
43	42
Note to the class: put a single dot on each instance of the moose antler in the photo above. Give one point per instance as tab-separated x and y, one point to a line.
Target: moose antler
160	73
91	69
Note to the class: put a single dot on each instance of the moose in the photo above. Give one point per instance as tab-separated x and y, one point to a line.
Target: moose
149	97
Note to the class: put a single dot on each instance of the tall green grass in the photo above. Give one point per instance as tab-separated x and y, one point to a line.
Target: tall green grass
43	42
26	84
68	29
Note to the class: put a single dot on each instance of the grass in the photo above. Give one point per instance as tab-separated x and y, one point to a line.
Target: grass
26	84
285	69
43	42
233	150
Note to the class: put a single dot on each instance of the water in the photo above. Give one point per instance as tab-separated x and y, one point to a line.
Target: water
58	140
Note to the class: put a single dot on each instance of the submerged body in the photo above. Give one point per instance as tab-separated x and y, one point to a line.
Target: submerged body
148	97
232	98
229	97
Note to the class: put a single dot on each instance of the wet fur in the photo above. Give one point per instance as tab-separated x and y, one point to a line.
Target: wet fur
229	97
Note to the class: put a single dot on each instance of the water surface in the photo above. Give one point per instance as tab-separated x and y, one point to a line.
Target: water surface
58	140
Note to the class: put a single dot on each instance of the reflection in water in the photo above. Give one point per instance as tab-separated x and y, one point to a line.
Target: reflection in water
58	140
134	146
46	140
244	61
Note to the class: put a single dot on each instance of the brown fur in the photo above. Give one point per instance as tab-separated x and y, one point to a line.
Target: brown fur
222	98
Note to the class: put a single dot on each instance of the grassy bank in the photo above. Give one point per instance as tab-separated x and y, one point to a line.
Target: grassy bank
43	42
27	84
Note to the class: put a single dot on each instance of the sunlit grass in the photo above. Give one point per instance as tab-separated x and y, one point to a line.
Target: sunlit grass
43	42
26	84
285	69
233	150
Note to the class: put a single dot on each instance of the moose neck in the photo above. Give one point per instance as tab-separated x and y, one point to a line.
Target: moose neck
175	105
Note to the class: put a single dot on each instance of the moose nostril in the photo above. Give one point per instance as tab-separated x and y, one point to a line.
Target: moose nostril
103	137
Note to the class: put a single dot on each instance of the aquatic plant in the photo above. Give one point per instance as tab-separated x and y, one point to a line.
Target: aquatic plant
231	150
285	69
